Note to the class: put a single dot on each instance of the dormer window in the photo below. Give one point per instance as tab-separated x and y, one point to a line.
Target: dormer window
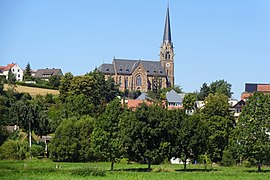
154	71
120	69
161	71
107	69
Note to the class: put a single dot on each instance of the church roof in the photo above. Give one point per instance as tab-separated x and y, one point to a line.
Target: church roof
126	67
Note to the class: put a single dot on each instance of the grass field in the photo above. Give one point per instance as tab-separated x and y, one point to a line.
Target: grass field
33	91
45	169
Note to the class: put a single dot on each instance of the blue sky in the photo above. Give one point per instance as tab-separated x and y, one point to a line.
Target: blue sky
213	39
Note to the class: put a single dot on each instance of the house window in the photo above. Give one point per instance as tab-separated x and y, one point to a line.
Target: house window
18	70
120	81
138	80
19	75
13	70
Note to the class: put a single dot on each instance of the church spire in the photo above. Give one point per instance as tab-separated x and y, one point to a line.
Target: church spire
167	29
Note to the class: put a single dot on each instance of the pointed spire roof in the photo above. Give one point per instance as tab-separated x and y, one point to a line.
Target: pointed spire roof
167	30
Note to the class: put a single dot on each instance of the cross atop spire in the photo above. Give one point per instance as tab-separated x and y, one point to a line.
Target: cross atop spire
167	30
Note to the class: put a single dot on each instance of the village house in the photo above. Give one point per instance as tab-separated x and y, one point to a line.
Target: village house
13	68
45	74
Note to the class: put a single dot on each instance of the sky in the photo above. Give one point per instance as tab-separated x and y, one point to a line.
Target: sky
213	39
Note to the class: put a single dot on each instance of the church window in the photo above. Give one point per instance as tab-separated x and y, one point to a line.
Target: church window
126	82
120	81
120	69
138	80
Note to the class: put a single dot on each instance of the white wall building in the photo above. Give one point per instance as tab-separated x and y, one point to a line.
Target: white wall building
15	69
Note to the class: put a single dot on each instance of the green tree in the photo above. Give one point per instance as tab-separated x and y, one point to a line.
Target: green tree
11	77
27	75
65	86
220	122
204	92
189	102
54	81
107	139
145	134
191	139
72	140
1	86
222	87
253	129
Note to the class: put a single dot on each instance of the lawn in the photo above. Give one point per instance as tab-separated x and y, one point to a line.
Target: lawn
45	169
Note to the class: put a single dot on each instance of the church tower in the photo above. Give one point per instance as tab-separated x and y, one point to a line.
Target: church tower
166	51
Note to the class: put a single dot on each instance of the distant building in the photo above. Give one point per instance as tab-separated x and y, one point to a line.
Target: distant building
14	68
251	88
145	75
174	100
45	74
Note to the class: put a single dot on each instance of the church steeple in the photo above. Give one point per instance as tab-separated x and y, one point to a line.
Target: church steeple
166	51
167	29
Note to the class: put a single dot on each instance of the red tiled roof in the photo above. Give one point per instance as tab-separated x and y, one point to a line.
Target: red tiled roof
263	87
6	68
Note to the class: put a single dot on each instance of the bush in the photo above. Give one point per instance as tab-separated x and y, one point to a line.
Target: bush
246	163
37	151
37	85
87	171
9	150
3	134
227	158
14	150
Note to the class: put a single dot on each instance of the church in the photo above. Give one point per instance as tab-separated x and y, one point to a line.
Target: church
141	74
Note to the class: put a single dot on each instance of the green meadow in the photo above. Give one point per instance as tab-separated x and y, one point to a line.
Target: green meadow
45	169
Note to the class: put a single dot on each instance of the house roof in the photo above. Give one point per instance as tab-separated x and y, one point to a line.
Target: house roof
51	72
172	96
6	68
126	67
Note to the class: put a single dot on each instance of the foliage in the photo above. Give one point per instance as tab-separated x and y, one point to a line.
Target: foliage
192	137
37	150
146	134
88	171
54	81
219	86
11	77
220	122
13	150
253	129
163	91
189	102
42	85
107	141
3	134
27	75
1	86
72	140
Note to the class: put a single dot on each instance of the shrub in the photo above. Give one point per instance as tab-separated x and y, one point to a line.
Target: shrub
87	171
37	151
9	150
227	158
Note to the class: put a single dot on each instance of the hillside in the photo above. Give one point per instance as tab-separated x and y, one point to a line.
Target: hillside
33	91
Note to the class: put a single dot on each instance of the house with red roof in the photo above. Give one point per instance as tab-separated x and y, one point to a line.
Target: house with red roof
13	68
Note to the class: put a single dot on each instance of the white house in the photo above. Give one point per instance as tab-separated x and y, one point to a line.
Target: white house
15	69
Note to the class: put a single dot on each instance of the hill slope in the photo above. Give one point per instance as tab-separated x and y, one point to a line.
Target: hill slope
33	91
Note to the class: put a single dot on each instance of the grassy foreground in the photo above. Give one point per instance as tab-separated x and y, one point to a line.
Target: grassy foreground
44	169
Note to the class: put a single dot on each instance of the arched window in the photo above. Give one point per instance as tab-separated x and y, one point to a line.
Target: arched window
168	55
120	81
138	80
126	82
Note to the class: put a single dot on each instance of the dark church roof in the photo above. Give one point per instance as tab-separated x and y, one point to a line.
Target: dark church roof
125	67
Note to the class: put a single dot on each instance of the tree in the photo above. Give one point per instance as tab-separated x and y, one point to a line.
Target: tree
222	87
1	86
253	129
107	139
72	140
65	86
11	77
54	81
146	134
189	102
191	138
27	75
220	122
204	92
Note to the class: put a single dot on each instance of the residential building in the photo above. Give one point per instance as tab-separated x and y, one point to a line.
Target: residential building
251	88
174	100
13	68
141	74
45	74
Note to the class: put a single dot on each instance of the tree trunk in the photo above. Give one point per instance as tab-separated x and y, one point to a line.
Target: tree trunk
30	140
149	166
259	167
112	165
185	164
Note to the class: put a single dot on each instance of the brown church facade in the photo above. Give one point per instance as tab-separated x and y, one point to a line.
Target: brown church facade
141	74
